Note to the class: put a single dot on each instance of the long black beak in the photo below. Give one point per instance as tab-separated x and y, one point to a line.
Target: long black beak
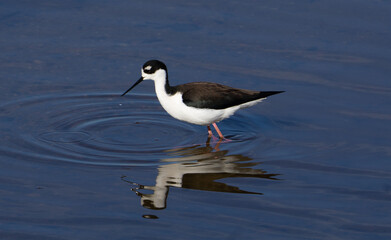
138	81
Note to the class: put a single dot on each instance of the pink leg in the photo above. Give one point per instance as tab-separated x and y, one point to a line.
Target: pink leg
218	130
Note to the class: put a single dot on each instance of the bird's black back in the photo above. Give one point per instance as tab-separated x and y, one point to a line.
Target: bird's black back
217	96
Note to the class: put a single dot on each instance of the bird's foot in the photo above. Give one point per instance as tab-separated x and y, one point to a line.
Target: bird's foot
225	140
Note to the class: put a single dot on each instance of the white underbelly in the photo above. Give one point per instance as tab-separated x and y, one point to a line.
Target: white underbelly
176	108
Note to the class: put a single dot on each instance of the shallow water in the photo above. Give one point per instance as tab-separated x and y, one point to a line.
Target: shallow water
78	161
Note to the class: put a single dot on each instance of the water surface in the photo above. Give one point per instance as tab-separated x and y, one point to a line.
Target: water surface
78	161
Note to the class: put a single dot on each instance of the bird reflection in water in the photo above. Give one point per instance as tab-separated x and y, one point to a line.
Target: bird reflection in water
197	167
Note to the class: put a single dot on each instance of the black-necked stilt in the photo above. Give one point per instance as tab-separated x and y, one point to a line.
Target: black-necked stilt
201	103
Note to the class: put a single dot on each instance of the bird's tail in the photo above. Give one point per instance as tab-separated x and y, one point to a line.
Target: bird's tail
268	93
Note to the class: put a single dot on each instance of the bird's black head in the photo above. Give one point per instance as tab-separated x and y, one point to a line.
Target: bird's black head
151	71
152	66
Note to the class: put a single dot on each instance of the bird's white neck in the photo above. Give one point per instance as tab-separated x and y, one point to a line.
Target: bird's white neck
160	79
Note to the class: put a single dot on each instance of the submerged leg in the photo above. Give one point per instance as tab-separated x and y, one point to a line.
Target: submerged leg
211	134
209	131
218	130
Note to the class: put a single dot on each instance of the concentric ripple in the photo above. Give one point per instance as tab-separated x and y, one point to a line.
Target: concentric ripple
102	129
99	129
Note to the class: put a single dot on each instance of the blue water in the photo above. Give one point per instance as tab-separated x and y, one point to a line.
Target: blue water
80	162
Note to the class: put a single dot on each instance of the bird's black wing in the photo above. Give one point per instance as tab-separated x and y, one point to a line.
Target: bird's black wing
217	96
